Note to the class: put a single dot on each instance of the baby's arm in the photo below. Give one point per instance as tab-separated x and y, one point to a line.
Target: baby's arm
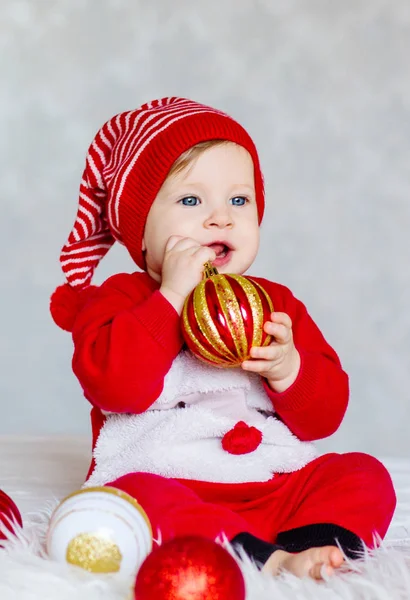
314	405
128	335
125	340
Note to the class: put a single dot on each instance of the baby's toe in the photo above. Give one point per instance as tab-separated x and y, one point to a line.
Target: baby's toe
336	557
320	570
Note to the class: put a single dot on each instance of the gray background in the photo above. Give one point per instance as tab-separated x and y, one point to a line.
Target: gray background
324	89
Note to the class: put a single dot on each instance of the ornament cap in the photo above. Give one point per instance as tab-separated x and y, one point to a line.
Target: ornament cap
209	270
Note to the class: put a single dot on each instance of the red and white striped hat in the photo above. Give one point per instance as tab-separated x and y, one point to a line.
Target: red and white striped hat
126	165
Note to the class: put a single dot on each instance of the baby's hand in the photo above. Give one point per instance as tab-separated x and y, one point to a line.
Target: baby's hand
279	362
182	268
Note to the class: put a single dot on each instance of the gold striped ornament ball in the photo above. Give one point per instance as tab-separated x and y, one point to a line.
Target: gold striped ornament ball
223	318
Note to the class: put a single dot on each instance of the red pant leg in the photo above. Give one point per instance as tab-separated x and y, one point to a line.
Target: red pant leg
175	510
352	490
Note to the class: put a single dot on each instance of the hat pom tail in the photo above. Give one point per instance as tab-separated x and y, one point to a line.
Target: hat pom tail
66	302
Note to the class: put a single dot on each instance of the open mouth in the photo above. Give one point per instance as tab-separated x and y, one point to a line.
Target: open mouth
223	252
220	250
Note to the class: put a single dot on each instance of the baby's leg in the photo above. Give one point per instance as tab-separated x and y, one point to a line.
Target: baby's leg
336	499
345	498
174	510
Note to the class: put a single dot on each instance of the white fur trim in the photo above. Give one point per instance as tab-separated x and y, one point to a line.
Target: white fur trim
186	442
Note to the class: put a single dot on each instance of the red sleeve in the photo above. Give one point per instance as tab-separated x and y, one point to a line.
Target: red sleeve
125	340
315	404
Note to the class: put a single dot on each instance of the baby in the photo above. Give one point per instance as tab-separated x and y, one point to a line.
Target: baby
179	184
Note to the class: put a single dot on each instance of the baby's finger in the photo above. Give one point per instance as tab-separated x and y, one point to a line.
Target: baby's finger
271	352
172	241
281	333
179	244
205	253
282	318
256	366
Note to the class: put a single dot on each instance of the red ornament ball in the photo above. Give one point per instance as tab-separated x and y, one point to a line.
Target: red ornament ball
9	515
190	568
223	318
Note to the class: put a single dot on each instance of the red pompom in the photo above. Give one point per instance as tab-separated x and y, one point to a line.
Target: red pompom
66	302
242	439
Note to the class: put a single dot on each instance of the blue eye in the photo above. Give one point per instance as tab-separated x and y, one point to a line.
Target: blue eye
239	200
189	201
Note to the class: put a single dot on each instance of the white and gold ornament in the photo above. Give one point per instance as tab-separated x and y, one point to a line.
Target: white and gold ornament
100	529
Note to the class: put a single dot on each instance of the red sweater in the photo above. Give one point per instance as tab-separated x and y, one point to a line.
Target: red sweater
127	336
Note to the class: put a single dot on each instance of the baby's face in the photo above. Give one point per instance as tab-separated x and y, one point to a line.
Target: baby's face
211	201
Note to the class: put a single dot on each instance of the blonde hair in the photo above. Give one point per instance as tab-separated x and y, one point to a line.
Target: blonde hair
190	155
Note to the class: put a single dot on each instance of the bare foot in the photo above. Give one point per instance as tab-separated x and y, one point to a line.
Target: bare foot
307	563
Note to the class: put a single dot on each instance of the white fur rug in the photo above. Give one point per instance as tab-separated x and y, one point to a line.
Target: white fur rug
27	574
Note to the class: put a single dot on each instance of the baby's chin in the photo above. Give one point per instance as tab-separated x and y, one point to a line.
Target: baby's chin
243	265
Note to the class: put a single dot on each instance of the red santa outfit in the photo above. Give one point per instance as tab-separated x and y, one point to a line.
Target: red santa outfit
161	418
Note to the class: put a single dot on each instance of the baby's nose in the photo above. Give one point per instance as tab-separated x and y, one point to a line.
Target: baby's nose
219	219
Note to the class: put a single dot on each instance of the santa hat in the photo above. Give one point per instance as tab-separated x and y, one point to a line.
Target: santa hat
126	165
